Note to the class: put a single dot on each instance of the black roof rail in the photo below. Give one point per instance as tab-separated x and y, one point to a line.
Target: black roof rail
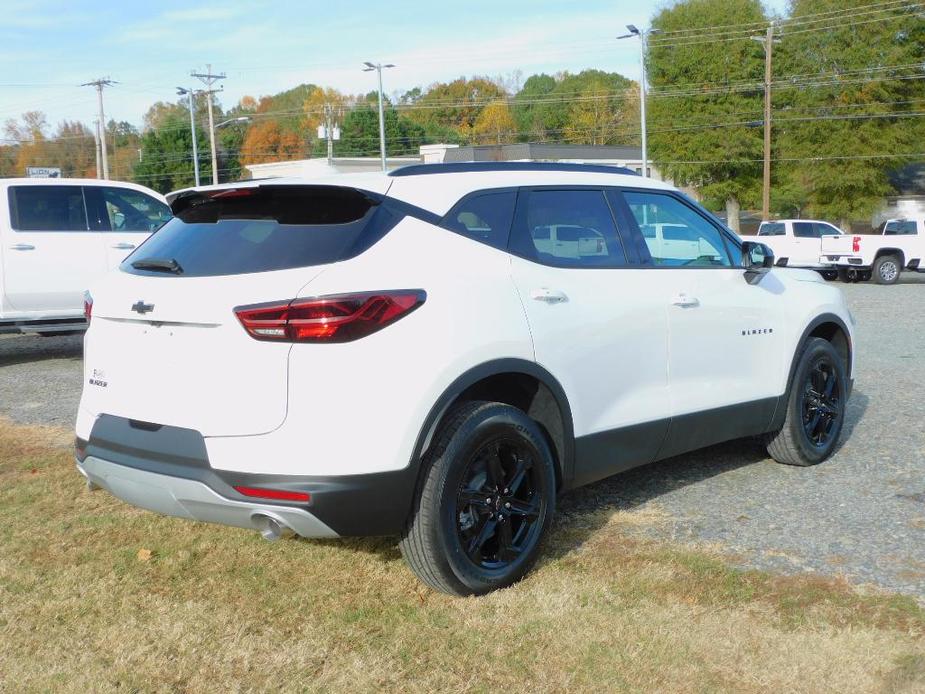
477	166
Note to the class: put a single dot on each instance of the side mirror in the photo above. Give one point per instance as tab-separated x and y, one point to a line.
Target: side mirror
757	259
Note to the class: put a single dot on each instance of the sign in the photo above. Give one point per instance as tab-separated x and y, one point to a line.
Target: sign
43	172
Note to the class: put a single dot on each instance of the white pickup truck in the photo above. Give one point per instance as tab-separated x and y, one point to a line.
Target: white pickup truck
57	236
881	257
798	243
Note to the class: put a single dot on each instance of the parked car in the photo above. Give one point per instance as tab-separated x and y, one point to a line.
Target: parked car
403	354
900	246
798	243
59	235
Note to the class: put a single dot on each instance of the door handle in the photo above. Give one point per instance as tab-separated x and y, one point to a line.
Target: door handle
124	246
548	296
22	247
684	300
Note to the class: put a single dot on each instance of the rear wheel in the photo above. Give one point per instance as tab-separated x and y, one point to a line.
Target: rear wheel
886	269
815	407
485	503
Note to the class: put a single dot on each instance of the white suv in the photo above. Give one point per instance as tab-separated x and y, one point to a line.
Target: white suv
57	237
403	354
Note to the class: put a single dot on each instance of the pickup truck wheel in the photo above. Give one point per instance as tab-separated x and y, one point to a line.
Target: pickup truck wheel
815	407
886	269
843	275
485	502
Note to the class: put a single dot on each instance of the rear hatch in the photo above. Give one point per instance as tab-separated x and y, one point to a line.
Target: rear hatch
165	345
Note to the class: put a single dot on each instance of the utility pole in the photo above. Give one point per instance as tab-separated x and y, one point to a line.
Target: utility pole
192	124
96	146
330	131
379	67
209	79
768	42
99	84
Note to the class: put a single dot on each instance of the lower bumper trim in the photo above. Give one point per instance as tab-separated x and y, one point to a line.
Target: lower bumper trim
193	500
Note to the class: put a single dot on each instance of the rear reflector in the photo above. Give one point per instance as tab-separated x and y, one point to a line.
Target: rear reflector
88	306
277	494
340	318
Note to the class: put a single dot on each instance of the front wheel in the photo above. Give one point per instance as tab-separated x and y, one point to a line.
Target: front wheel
485	502
886	269
815	407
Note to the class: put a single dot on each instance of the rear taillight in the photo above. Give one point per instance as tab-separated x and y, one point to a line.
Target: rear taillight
856	244
88	306
340	318
80	449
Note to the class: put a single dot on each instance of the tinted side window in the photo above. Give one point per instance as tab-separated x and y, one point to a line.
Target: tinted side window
675	234
805	230
772	229
568	228
823	229
485	217
47	208
130	210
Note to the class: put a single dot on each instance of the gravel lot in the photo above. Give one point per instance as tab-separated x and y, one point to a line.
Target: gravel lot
861	514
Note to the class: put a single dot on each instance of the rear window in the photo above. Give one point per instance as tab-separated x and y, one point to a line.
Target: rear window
247	230
900	227
47	208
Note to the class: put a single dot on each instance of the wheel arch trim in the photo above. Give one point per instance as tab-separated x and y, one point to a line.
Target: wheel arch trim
498	367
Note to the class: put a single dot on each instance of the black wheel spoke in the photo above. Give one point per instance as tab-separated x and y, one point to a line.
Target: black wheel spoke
829	387
505	541
478	540
529	509
494	468
517	479
475	498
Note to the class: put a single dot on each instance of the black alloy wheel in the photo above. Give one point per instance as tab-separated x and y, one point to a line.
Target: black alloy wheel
821	403
499	504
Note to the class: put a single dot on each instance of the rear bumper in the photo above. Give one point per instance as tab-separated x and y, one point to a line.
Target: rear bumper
166	469
185	498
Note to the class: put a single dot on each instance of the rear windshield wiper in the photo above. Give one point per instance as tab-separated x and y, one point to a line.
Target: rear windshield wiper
158	264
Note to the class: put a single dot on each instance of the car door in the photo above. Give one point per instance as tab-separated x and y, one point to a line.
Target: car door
806	244
599	326
50	256
125	216
723	331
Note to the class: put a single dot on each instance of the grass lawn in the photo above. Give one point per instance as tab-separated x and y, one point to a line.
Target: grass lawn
98	596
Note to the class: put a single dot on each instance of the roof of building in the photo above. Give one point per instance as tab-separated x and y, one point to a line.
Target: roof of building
539	152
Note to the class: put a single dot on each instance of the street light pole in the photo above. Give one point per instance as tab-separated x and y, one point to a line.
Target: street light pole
633	31
192	124
378	67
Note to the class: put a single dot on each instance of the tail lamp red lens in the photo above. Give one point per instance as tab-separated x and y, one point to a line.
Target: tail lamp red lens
275	494
856	244
88	306
340	318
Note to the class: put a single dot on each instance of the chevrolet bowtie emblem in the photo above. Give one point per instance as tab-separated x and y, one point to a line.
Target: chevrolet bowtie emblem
142	308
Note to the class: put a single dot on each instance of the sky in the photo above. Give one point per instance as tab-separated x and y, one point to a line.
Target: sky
49	48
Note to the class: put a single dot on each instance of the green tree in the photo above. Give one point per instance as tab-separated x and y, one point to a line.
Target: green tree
692	138
859	109
454	106
166	161
360	133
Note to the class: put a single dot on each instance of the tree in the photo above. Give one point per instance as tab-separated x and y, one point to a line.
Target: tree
454	105
360	133
166	161
844	134
279	128
494	125
696	134
597	117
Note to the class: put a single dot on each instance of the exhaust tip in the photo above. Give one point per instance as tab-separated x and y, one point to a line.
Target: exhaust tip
271	527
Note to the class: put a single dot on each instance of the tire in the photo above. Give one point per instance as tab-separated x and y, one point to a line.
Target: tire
463	521
886	269
829	275
815	407
843	275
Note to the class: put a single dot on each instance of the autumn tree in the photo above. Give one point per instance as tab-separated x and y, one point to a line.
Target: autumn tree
454	106
494	124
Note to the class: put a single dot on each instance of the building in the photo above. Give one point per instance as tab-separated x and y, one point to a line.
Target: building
615	155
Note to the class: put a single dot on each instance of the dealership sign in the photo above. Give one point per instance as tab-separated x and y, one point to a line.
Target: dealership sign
43	172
